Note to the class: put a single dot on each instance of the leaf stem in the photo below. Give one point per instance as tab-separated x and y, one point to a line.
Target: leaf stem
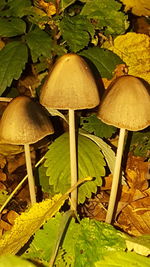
116	175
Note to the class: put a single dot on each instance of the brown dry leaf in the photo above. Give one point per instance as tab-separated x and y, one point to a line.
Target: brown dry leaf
3	176
2	44
11	216
135	217
5	225
120	70
136	172
137	7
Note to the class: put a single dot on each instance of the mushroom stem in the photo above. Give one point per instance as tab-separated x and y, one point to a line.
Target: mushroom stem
30	174
116	175
73	158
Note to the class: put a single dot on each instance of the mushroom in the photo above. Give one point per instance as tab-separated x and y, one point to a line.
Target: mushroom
70	85
25	122
125	105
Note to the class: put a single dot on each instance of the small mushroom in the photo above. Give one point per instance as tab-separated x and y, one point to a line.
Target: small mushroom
24	122
125	105
70	85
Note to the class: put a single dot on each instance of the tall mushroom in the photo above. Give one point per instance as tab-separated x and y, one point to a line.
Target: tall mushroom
125	105
70	85
25	122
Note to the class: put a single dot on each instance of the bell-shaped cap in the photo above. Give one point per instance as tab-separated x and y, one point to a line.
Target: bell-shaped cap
126	104
24	122
70	85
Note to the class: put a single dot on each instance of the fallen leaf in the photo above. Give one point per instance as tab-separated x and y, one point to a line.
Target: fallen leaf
137	7
134	50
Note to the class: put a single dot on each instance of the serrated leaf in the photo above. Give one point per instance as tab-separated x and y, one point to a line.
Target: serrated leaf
104	61
13	58
90	163
94	240
123	259
40	43
28	223
133	49
11	27
105	148
10	261
92	124
16	8
107	15
76	31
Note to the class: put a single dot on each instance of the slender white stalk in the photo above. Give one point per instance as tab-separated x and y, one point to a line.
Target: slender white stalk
30	174
116	175
73	158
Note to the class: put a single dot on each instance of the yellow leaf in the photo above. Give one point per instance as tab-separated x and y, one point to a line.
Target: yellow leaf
28	223
134	50
137	7
49	7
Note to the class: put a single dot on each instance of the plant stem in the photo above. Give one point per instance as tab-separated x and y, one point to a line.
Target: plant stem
73	158
18	186
30	174
116	175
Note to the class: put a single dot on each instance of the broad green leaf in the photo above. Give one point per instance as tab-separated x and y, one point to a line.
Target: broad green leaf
109	154
104	60
40	43
90	163
14	261
93	125
13	58
44	239
16	8
107	16
95	239
11	27
76	31
65	3
139	244
123	259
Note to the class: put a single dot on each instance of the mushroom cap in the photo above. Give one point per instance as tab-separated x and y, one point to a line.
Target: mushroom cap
24	122
70	85
126	104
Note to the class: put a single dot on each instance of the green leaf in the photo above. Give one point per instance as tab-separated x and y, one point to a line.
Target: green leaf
123	259
90	163
65	3
93	125
107	16
109	154
11	27
11	261
140	143
13	58
139	244
76	31
17	8
95	239
44	240
104	60
40	43
2	4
